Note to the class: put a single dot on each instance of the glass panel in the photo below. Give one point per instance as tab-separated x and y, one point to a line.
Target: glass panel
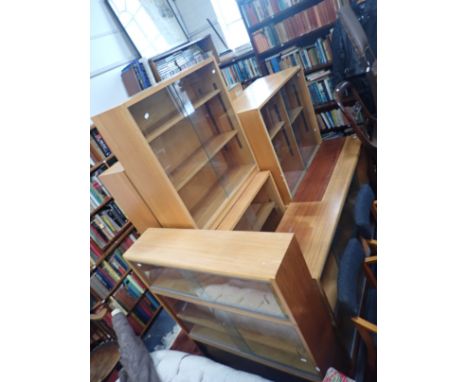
262	215
290	163
254	296
272	117
269	340
304	137
192	129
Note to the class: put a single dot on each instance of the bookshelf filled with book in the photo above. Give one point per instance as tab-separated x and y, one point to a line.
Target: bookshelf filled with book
112	281
167	64
286	33
242	68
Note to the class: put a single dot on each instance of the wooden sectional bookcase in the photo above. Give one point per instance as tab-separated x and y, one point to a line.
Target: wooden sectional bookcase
279	121
267	308
185	154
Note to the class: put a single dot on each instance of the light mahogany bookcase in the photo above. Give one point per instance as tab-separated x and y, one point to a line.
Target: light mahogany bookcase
186	158
279	121
248	293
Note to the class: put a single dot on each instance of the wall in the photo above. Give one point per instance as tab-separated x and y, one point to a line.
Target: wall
193	14
110	52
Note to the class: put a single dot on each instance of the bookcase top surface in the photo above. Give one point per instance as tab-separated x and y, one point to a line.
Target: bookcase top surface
256	95
249	255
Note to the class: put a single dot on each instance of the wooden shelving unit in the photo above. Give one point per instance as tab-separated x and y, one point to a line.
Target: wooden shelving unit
190	272
182	148
109	249
180	55
281	15
323	27
279	121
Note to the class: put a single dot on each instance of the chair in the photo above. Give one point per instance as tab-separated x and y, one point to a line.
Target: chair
357	299
365	213
363	123
104	354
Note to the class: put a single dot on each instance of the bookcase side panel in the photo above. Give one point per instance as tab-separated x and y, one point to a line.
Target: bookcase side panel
126	195
255	130
145	172
309	309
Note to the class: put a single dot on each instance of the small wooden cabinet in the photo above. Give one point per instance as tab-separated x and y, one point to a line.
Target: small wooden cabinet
182	147
249	293
279	121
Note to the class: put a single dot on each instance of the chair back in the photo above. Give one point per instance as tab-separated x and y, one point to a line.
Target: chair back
100	331
363	212
350	278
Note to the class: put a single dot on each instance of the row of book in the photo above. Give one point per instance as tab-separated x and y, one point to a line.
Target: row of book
96	252
301	23
173	64
106	224
321	90
256	11
331	119
241	71
98	193
99	149
308	57
135	77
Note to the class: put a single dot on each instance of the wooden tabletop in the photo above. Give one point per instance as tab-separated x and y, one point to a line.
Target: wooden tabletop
314	213
256	95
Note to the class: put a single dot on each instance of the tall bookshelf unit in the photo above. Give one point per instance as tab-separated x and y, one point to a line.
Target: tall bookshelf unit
113	283
242	68
278	119
267	308
184	152
286	33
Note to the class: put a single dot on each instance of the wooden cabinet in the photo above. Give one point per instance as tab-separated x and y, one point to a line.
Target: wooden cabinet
182	147
266	308
279	121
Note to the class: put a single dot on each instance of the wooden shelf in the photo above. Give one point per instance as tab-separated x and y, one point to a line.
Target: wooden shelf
331	105
206	208
294	114
111	292
262	215
235	59
276	129
151	320
285	13
317	68
195	162
180	116
249	80
287	44
101	206
100	163
117	235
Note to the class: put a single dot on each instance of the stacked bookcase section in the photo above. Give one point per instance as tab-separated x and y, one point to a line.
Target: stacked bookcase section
279	121
183	149
112	281
267	308
241	69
